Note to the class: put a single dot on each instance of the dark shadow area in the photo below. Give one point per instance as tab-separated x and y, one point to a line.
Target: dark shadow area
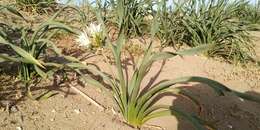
153	79
228	112
13	92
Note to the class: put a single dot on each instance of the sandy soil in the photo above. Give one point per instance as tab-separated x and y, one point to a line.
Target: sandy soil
70	111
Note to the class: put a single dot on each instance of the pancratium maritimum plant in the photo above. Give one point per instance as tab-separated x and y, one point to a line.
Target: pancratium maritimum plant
29	50
91	37
138	105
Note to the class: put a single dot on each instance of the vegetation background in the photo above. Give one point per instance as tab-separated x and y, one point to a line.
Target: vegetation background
202	59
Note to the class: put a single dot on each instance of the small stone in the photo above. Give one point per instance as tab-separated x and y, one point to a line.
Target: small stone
99	90
230	126
2	109
14	109
53	111
77	111
113	111
52	119
19	128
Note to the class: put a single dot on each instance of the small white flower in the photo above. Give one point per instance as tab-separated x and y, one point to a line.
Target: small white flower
83	39
77	111
91	36
93	29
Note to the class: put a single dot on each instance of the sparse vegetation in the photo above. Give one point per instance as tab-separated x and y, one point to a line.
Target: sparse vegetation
198	22
29	48
215	28
38	6
128	15
250	15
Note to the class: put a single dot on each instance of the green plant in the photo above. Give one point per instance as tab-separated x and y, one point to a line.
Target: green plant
197	22
35	5
127	14
171	31
214	23
251	15
30	48
137	105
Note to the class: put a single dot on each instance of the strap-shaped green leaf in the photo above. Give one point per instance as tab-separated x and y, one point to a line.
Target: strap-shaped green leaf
27	56
46	26
40	72
12	10
5	57
3	40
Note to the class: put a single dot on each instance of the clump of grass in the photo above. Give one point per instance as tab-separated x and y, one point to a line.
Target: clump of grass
29	48
213	23
251	15
171	32
134	49
198	22
138	105
127	15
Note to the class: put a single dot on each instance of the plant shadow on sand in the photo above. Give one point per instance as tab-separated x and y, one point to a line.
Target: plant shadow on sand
12	90
225	112
216	112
